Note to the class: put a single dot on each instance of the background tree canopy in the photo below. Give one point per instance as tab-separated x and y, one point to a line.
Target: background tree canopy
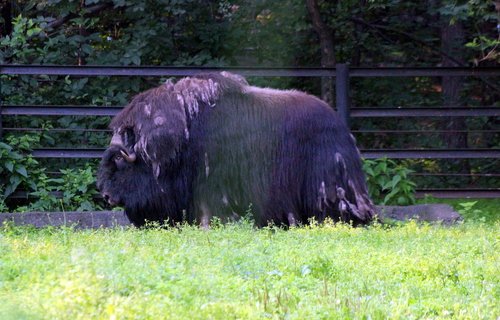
239	32
304	33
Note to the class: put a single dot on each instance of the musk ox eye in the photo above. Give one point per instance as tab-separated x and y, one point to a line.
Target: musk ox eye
120	162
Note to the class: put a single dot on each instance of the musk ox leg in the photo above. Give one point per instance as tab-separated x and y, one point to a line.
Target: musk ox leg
205	217
292	221
205	222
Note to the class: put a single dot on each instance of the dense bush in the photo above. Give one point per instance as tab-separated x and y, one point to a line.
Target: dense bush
67	190
389	183
15	163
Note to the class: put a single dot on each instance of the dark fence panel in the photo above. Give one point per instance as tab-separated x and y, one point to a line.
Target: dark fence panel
342	74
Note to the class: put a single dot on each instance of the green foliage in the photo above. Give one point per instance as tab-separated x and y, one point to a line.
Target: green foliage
72	191
479	210
484	210
3	205
480	17
19	43
388	182
43	191
78	187
330	271
468	208
15	163
173	32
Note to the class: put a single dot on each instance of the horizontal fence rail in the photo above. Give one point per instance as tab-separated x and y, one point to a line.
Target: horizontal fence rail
432	154
246	71
375	131
60	110
420	193
360	131
458	193
342	74
367	154
425	112
42	110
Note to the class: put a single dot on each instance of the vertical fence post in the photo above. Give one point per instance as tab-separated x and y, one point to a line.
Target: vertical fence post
342	91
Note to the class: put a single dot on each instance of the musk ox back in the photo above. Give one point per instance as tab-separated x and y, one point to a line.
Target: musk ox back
214	146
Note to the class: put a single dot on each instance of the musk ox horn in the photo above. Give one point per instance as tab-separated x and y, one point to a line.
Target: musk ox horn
130	157
117	140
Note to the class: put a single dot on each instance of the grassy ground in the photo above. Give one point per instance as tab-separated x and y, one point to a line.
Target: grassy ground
409	271
484	210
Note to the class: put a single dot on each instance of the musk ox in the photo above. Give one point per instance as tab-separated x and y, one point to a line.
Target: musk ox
214	146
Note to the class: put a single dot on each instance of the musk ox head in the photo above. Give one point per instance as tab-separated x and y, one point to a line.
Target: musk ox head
140	169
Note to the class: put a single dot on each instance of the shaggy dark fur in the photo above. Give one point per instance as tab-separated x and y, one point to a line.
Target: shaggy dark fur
212	145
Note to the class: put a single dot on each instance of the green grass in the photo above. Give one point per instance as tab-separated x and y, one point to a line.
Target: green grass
408	271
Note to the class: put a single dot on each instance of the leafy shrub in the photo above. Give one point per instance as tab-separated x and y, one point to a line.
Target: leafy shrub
15	163
73	190
388	182
468	210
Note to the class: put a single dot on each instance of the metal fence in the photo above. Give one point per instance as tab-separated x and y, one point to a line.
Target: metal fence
342	74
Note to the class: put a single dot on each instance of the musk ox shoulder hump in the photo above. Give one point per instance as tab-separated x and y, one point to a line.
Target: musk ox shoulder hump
226	81
142	105
277	97
185	94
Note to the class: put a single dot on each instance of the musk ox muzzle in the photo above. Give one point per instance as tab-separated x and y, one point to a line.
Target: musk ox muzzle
214	146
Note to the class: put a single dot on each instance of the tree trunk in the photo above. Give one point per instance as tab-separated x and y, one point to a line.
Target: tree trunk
7	18
326	42
359	29
452	43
